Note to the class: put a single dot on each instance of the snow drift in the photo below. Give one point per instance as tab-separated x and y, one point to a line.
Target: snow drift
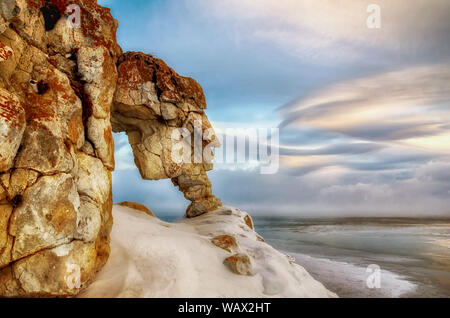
152	258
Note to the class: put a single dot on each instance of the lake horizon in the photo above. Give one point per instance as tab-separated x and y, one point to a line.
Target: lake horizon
412	253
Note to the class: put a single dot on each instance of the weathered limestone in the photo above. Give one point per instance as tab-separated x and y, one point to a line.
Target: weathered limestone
46	217
151	103
63	90
12	126
97	69
51	272
57	83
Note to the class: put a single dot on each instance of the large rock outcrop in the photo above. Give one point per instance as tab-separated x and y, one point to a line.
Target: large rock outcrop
151	104
57	84
58	98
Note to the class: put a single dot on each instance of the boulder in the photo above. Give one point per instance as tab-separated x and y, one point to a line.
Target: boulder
225	242
239	264
137	206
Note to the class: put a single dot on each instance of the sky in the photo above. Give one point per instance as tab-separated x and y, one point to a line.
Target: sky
363	113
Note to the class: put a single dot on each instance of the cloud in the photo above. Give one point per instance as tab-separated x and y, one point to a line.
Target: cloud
397	114
373	158
342	148
388	104
385	137
335	192
329	30
394	120
395	130
299	135
370	133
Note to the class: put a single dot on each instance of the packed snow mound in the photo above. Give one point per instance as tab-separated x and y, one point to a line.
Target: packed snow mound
152	258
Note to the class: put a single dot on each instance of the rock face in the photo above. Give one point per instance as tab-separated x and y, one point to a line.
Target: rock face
57	84
64	85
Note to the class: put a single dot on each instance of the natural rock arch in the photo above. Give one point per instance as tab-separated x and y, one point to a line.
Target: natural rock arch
150	103
58	107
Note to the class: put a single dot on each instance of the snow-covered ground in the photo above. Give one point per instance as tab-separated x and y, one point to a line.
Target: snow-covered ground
152	258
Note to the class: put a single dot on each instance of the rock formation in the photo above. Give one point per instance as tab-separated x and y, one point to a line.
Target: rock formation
58	98
151	103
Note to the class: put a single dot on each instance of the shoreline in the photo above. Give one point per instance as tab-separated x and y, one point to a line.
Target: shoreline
411	253
348	280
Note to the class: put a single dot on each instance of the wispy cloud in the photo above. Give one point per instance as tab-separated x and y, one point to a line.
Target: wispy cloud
385	119
335	191
324	30
370	132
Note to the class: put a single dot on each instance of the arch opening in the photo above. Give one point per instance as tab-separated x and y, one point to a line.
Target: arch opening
160	196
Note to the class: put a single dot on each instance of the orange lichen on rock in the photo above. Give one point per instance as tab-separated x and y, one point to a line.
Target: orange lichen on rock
5	52
10	110
39	107
226	242
62	90
172	87
150	103
42	134
240	264
98	24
